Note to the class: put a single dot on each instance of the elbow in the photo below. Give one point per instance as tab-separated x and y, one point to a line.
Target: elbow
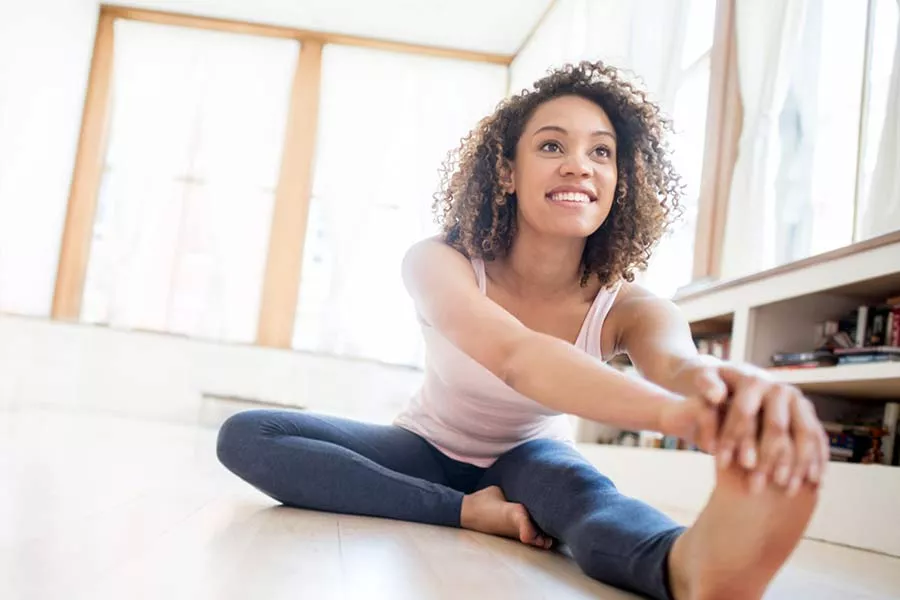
518	360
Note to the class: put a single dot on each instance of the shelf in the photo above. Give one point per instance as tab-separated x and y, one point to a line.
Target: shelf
875	380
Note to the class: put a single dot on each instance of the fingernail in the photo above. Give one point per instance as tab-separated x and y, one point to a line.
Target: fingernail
793	486
749	458
724	459
814	474
712	447
782	474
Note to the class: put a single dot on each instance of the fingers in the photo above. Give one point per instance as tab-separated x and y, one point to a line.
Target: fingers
709	386
776	452
808	452
737	441
707	427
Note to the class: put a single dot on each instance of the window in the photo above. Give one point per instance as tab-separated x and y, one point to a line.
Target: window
815	175
883	87
185	205
818	132
386	123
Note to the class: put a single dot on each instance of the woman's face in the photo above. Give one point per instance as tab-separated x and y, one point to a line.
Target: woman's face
564	172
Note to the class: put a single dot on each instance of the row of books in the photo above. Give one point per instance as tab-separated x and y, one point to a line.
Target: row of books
864	444
715	345
869	333
852	443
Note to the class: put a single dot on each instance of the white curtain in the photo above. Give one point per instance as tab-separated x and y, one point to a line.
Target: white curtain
646	37
42	88
768	37
386	123
185	206
559	39
882	210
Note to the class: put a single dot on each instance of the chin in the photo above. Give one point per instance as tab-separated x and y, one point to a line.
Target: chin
570	230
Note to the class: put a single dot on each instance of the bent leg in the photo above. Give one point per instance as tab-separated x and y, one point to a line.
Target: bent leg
613	538
337	465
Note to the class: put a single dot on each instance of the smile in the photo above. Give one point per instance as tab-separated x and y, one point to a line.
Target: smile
570	198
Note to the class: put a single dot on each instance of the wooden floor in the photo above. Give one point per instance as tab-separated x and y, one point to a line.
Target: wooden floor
98	506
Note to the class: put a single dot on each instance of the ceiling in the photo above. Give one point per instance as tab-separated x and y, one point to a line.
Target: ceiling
495	26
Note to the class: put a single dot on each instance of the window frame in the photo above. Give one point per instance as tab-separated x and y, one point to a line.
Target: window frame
292	197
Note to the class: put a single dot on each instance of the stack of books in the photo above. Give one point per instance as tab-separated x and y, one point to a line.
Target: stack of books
869	333
857	443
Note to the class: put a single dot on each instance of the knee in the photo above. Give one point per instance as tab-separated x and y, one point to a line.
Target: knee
568	467
238	435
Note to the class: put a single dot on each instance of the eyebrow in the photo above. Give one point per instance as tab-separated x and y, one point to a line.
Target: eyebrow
564	132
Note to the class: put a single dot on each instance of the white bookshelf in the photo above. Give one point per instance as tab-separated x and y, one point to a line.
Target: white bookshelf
874	381
776	311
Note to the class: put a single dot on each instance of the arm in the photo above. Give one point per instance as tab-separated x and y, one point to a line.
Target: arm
769	427
541	367
656	337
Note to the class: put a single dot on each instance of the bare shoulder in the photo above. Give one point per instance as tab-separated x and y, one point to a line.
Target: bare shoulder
634	306
430	253
439	278
633	294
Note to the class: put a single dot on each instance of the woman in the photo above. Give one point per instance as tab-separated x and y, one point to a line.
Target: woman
555	200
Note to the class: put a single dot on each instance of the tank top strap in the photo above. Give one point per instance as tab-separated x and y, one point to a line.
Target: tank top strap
480	276
597	316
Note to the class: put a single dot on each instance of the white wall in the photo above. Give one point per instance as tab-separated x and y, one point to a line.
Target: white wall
159	376
45	53
551	46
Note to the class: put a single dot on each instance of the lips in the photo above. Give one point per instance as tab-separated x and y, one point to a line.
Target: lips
570	197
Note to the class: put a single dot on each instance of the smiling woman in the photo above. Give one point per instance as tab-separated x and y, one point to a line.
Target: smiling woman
555	200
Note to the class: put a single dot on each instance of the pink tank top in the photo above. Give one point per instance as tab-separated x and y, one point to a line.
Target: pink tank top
473	416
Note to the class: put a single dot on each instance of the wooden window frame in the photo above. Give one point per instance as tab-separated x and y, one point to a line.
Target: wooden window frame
292	196
724	121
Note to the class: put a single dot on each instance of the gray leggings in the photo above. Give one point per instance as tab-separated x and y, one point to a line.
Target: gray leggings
337	465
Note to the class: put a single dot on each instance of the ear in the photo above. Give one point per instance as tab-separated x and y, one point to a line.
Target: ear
507	181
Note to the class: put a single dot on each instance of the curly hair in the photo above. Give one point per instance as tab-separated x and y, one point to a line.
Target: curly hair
479	219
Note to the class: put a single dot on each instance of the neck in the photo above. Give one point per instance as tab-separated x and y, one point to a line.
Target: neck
543	265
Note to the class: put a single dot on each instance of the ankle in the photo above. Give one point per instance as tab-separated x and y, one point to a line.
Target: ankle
467	512
677	571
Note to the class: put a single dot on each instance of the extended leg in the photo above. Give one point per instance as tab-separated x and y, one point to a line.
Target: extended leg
337	465
613	538
733	550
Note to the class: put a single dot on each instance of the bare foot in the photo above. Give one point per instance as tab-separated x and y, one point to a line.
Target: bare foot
739	541
488	511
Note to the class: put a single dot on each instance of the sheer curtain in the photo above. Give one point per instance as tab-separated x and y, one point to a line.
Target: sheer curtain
185	206
881	211
386	123
768	39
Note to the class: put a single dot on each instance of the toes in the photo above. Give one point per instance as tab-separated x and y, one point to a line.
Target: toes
528	531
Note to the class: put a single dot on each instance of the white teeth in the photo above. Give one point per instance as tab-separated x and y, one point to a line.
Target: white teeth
570	197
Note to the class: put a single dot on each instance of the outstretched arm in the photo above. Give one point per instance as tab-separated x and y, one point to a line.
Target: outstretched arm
548	370
769	427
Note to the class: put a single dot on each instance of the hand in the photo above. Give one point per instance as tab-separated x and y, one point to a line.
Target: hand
693	420
769	428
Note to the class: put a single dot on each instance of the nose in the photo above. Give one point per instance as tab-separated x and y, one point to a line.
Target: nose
577	165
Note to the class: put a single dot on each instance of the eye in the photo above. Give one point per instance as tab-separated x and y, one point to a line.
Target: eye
550	147
603	151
